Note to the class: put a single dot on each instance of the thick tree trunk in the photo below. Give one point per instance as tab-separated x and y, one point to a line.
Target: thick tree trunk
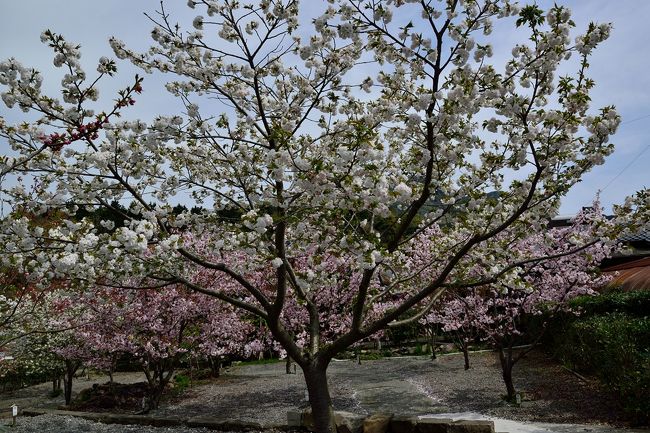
466	356
287	365
71	368
505	356
215	366
67	390
155	395
158	375
319	397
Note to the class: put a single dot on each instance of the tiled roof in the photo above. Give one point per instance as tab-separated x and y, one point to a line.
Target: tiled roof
641	236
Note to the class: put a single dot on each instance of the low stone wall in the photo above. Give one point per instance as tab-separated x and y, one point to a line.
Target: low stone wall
346	422
159	421
388	423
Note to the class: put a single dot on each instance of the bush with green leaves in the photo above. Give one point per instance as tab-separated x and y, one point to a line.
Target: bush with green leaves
634	303
610	339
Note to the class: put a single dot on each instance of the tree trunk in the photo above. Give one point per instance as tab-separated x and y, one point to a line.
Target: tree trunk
158	378
71	368
505	356
432	340
215	366
319	396
287	365
155	395
466	354
112	367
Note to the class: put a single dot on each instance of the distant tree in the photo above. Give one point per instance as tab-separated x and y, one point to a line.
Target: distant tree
35	341
157	328
498	313
459	318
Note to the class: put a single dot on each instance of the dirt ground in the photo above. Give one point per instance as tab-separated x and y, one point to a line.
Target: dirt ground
410	385
413	385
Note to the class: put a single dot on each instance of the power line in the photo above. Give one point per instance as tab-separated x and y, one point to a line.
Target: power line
634	120
627	166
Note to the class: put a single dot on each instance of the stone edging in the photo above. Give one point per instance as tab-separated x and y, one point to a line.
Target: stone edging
297	420
347	422
159	421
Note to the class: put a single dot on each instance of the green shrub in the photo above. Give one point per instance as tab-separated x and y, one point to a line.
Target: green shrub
181	382
615	347
371	356
633	303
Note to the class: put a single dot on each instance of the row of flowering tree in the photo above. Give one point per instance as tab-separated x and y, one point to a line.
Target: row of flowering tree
156	329
498	313
298	137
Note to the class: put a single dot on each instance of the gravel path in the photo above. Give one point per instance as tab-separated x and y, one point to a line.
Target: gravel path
414	385
68	424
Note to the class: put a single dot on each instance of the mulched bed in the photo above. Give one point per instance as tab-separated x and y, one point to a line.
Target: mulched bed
550	393
111	397
567	398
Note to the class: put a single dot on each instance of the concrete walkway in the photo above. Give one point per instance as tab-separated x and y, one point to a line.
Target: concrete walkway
509	426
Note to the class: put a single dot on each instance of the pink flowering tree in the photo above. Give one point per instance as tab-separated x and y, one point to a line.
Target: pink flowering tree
157	328
346	136
496	313
331	302
458	317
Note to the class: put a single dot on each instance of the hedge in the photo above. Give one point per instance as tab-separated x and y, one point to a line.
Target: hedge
610	339
633	303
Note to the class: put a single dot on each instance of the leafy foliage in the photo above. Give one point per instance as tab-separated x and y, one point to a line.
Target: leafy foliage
611	340
635	303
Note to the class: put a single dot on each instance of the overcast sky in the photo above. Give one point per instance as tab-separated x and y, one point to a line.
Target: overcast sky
619	67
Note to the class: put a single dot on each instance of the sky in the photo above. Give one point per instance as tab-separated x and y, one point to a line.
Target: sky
620	68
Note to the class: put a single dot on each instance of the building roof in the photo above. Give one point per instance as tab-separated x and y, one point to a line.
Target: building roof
631	276
640	236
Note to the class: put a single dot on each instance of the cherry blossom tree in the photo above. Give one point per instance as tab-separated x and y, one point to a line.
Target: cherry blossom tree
157	328
41	338
354	136
498	313
19	304
459	318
